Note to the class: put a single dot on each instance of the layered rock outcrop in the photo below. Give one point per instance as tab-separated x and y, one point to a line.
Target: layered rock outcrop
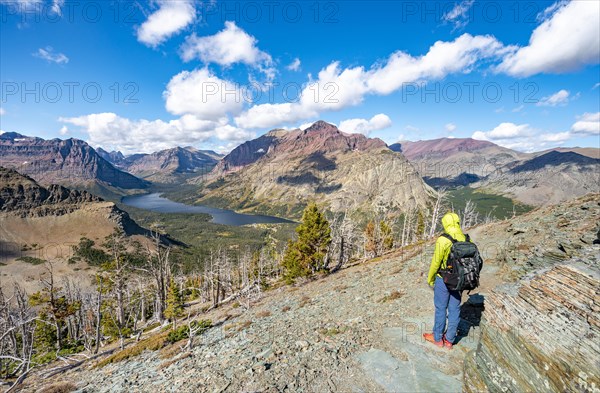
542	334
540	328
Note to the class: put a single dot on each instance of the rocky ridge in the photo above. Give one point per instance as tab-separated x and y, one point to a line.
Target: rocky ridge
546	179
70	162
21	196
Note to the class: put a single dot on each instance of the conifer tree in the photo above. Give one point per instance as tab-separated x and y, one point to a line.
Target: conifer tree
306	255
174	307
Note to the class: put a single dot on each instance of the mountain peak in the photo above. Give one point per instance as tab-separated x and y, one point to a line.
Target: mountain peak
321	126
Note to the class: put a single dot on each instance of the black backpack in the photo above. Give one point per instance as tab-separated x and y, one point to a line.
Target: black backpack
463	265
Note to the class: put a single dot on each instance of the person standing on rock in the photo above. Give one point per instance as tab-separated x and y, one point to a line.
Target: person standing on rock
447	302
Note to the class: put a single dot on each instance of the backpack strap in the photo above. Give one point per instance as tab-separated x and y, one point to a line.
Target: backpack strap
447	236
453	240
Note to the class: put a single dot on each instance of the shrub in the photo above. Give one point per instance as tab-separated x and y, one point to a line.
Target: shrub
182	332
32	260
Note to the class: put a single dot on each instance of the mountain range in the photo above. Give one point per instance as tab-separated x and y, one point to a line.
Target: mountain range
165	166
280	172
71	162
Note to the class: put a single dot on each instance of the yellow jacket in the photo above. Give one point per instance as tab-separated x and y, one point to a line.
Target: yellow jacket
451	224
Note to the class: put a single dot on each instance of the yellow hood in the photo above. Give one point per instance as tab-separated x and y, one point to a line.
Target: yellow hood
451	223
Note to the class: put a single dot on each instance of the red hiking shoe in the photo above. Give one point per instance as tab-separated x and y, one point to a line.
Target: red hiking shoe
429	337
447	344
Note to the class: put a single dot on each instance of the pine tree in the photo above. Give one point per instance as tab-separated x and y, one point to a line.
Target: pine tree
306	255
174	306
386	235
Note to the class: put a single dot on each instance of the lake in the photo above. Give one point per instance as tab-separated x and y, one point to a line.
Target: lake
154	202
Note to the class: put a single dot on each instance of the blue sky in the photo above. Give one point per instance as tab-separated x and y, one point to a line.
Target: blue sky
140	77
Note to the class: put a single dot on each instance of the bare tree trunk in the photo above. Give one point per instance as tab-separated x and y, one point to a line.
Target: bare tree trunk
98	317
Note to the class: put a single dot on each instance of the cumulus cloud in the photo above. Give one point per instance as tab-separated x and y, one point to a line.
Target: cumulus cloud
64	130
50	56
567	39
522	137
561	97
336	88
364	126
202	94
458	15
171	18
588	124
229	46
113	132
294	65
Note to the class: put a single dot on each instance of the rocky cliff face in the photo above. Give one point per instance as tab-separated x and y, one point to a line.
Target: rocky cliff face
22	197
248	152
70	162
22	194
321	163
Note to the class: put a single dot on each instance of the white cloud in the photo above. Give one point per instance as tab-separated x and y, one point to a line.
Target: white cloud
49	55
171	18
561	97
518	108
523	137
364	126
450	127
64	130
113	132
458	14
504	131
229	46
336	88
2	111
588	124
411	128
202	94
294	65
568	39
596	85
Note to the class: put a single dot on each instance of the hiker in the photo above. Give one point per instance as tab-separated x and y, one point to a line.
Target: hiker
448	282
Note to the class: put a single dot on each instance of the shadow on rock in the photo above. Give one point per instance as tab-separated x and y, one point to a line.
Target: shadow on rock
470	315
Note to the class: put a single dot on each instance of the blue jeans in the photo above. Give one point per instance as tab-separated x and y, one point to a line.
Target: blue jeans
446	303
